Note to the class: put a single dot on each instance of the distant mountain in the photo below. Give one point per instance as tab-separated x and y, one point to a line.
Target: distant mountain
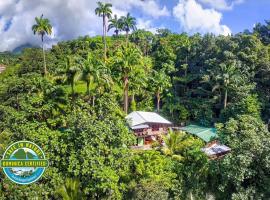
20	48
21	154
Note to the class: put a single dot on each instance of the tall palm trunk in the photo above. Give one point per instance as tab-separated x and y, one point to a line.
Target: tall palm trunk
158	100
126	37
17	101
145	49
133	102
126	94
87	88
225	98
72	95
133	97
93	100
44	59
186	66
104	37
72	89
191	196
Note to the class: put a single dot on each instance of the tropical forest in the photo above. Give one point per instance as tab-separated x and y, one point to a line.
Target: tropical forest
72	100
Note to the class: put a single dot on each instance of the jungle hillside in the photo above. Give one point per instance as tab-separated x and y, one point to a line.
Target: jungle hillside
72	99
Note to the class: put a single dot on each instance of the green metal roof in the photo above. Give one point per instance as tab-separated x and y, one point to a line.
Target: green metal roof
204	133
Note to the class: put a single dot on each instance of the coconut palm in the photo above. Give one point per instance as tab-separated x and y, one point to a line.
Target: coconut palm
116	24
102	78
70	190
55	96
137	82
96	73
42	28
173	143
104	10
87	72
128	23
228	76
71	74
128	60
161	81
224	78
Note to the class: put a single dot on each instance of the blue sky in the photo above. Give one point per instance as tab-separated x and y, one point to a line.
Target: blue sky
245	15
238	18
76	18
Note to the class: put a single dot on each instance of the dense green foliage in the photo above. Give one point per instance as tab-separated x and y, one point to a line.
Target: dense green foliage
76	113
245	172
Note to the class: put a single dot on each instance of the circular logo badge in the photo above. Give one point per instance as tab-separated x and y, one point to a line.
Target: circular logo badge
24	162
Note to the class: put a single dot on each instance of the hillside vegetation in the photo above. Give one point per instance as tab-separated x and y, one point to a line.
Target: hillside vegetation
75	111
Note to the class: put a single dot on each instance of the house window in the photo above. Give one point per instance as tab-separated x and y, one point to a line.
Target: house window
140	141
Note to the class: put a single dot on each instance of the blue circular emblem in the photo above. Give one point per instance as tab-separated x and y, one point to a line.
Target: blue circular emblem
24	162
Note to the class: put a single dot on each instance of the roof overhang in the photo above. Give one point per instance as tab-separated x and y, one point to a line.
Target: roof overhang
139	126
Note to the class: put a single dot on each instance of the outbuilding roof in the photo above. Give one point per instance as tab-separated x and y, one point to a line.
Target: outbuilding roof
140	117
206	134
216	149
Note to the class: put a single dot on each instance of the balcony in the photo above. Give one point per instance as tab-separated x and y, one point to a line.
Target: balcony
151	131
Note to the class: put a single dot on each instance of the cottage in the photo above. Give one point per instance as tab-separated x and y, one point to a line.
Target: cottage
147	126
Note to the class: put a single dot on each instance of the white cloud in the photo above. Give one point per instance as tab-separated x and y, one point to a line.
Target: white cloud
152	8
222	4
148	7
194	18
70	18
147	25
119	12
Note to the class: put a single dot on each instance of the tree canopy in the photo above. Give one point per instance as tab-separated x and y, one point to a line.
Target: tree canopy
77	113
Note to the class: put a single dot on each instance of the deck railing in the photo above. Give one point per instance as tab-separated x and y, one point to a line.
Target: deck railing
150	132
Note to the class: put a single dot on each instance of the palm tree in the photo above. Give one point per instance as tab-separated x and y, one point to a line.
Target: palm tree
71	73
225	77
128	23
94	72
70	190
87	72
128	60
103	76
161	81
42	28
116	24
104	10
137	82
173	142
56	98
228	76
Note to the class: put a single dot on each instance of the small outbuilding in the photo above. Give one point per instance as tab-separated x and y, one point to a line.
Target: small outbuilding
206	134
213	149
